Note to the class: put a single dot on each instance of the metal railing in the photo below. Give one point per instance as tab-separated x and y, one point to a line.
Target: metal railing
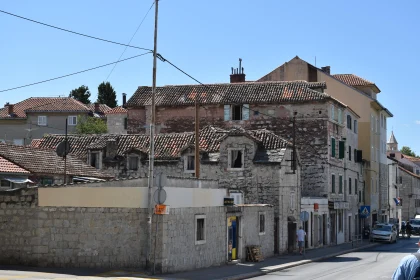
356	240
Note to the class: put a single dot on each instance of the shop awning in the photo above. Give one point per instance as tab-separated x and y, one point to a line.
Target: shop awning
17	180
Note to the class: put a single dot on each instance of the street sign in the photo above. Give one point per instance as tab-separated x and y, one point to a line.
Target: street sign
159	196
304	216
161	209
364	211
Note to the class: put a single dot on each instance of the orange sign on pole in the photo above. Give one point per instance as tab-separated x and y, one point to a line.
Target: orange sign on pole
161	209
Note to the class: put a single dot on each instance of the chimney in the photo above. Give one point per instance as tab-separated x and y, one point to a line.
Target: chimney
96	107
111	148
326	69
124	99
237	75
9	108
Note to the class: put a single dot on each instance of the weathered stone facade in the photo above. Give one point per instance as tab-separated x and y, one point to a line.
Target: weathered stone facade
409	192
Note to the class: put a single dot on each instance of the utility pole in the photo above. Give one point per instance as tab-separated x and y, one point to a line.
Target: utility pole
152	148
65	156
197	139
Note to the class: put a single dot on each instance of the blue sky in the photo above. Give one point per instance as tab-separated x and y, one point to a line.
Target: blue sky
377	40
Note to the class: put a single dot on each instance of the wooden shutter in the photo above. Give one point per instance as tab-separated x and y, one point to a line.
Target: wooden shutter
332	147
245	112
359	156
341	149
229	157
227	112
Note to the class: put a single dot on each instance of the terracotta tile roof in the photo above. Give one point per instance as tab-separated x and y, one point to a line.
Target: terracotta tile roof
409	172
352	80
116	110
36	102
7	166
35	143
45	161
65	104
247	92
103	108
167	146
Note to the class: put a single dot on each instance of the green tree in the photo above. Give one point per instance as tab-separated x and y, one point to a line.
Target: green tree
90	125
81	93
407	151
107	95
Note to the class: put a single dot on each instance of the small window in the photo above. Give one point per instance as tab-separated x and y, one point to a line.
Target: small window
94	160
350	151
333	183
236	158
238	197
5	183
355	126
332	147
236	112
340	220
72	120
42	120
189	164
133	162
349	122
200	229
261	220
340	119
340	184
350	186
332	112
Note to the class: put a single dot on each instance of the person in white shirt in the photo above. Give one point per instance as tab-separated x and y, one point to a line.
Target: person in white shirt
300	239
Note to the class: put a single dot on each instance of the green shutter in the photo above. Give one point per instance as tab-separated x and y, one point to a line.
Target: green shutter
333	183
340	184
332	147
341	149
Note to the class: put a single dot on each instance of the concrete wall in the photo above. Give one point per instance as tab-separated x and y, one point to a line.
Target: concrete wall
115	123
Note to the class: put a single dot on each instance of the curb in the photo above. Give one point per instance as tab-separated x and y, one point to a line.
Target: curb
293	264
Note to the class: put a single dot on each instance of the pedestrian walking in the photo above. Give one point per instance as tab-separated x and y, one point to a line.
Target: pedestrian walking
409	267
301	239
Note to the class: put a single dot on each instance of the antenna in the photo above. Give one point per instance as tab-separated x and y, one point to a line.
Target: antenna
315	60
240	65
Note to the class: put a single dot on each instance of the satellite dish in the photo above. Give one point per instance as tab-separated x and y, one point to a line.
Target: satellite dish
62	149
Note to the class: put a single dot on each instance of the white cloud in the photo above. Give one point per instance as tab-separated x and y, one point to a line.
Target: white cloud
417	122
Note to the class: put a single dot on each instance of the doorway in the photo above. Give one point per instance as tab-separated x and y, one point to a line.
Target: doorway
232	249
291	234
333	228
276	235
349	222
324	229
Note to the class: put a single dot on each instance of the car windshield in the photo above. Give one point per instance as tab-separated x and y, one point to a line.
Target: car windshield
382	227
415	222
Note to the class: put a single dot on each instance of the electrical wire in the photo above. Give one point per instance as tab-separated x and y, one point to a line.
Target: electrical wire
75	73
73	32
126	47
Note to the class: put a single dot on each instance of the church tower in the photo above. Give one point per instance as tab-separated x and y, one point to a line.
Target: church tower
392	144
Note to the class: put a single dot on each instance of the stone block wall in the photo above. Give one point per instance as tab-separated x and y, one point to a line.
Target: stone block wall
67	236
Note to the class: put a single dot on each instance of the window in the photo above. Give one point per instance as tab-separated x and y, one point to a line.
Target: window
94	159
355	186
133	162
377	125
292	200
355	126
382	120
340	220
340	184
350	151
340	120
18	142
238	197
5	183
200	229
235	158
236	112
261	223
332	147
125	123
46	181
333	183
332	112
72	120
355	155
189	164
42	120
349	122
349	185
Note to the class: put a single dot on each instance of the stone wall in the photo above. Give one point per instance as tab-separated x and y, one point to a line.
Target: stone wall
67	236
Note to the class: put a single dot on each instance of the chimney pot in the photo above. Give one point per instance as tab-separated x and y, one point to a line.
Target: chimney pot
124	99
237	75
326	69
96	107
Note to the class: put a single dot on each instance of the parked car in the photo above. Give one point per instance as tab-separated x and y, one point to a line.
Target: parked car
384	232
415	226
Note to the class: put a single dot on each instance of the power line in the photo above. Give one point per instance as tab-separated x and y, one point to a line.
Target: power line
138	27
73	32
75	73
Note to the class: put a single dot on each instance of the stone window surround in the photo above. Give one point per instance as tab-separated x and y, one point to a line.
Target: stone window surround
186	163
229	168
99	155
261	214
129	157
72	120
42	120
198	217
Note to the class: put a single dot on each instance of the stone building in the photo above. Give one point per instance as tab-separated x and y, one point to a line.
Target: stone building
104	225
255	166
296	110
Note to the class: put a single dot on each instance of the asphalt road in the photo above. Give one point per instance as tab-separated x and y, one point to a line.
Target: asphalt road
376	263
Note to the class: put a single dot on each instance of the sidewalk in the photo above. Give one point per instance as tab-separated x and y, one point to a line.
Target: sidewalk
249	269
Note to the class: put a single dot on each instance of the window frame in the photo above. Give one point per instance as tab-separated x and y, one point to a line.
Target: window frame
97	155
332	112
196	218
9	184
355	126
40	122
333	183
349	122
229	165
333	150
261	222
238	197
186	157
340	116
135	159
72	118
350	192
340	183
350	151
